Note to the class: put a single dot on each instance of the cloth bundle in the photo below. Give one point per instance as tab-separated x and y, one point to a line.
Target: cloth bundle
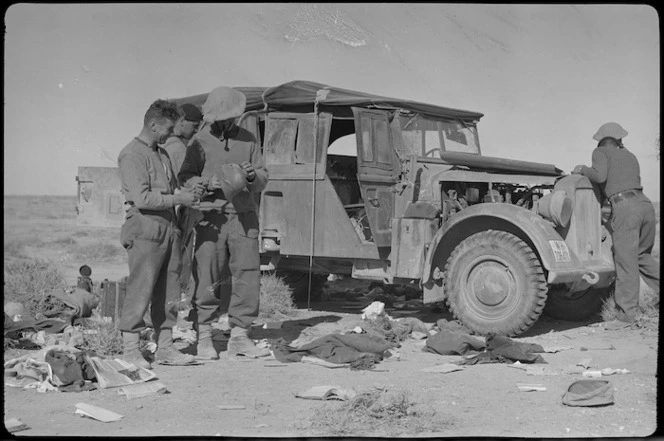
335	348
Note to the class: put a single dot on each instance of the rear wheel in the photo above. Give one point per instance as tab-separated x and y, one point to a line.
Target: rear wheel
575	306
298	281
495	284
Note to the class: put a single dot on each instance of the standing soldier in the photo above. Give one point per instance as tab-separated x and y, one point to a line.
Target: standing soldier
227	159
185	127
151	237
632	222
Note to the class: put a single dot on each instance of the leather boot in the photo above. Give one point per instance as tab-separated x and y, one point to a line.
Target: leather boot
205	349
167	353
241	345
131	351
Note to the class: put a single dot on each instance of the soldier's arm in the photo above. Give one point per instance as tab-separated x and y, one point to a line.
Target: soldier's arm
598	172
192	164
134	175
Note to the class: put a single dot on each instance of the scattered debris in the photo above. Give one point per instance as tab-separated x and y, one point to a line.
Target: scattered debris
530	387
97	413
117	372
327	393
272	325
445	368
609	371
592	374
585	363
610	348
374	310
533	370
142	390
554	349
321	362
14	425
230	407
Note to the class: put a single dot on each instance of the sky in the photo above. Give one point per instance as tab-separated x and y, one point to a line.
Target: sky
79	77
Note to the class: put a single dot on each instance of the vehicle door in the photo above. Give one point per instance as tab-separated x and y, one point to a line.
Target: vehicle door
378	169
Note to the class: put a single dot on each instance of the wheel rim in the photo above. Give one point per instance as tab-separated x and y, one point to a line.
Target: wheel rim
490	287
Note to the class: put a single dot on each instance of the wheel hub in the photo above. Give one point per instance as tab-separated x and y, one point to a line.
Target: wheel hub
490	282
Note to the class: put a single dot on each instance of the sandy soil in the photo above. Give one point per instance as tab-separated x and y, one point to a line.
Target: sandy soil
481	400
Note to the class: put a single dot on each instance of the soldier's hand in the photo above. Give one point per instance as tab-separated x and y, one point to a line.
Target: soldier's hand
249	170
214	183
198	189
577	170
187	197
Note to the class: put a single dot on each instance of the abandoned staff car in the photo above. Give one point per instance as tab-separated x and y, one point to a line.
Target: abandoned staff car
414	202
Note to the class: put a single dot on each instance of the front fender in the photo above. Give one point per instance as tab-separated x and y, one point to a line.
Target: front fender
530	227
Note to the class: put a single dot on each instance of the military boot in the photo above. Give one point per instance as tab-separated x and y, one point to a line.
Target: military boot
131	351
205	349
241	345
167	353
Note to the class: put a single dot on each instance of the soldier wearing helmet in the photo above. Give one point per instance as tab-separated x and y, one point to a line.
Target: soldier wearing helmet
226	158
616	170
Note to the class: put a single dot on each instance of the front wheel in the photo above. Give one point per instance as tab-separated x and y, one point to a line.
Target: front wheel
495	284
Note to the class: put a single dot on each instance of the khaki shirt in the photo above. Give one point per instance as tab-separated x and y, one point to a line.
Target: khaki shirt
146	176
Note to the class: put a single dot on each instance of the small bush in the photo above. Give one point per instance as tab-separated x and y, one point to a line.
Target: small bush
102	336
276	297
377	411
64	241
646	311
29	282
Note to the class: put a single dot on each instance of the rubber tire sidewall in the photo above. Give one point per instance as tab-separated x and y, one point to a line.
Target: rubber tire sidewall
525	306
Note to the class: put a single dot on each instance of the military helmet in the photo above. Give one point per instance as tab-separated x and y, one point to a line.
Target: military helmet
610	130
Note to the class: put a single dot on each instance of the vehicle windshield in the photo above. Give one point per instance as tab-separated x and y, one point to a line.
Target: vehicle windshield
427	137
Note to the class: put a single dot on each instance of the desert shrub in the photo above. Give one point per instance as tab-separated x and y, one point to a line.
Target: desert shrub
16	247
29	282
102	336
646	313
375	412
276	297
98	251
64	241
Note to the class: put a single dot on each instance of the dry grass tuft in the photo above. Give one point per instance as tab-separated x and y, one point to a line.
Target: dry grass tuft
276	298
647	313
376	412
29	282
102	336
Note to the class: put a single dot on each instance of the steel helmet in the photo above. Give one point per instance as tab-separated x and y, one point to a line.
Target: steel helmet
610	130
233	180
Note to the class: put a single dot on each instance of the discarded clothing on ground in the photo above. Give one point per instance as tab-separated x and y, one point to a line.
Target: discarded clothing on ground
78	302
28	373
502	349
448	325
448	342
69	368
335	348
405	326
50	326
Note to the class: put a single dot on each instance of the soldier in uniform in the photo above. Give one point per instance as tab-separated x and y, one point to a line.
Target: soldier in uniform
185	127
616	170
151	237
226	158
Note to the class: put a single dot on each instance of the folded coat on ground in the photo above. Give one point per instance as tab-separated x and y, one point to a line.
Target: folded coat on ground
335	348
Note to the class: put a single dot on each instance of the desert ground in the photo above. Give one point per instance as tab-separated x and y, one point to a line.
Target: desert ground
480	400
